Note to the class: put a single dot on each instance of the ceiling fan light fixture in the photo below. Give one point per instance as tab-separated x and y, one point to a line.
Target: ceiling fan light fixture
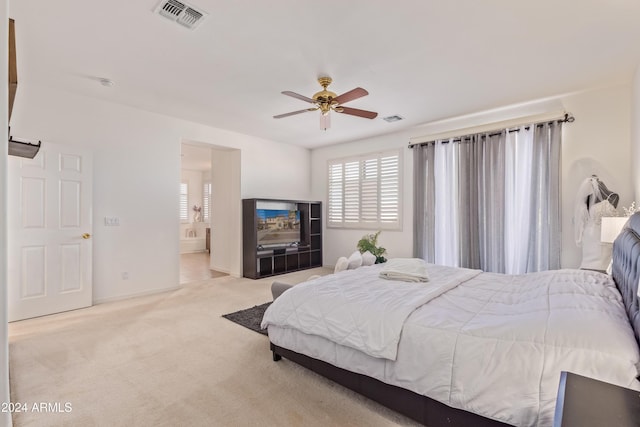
325	121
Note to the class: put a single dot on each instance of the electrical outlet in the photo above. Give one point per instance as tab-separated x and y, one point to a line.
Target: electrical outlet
125	275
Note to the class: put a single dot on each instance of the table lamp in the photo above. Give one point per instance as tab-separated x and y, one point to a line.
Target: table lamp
611	227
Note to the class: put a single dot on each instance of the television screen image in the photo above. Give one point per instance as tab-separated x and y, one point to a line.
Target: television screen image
278	227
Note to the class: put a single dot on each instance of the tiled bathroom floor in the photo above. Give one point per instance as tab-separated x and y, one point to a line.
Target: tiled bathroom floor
195	267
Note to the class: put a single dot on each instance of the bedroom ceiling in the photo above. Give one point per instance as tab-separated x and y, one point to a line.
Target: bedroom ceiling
422	60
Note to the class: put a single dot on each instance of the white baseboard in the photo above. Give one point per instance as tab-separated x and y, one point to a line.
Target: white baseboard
226	270
220	269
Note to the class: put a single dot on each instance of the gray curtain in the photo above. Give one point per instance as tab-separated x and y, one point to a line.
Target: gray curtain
545	244
490	226
423	201
505	188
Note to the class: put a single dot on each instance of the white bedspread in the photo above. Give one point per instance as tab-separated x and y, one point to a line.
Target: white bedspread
493	344
358	309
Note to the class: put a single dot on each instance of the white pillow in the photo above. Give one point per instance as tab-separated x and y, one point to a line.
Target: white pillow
368	258
341	265
355	260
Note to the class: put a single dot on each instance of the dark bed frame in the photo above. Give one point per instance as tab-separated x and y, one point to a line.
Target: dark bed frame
626	273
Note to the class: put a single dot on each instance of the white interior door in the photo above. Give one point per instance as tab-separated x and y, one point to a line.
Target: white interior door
49	239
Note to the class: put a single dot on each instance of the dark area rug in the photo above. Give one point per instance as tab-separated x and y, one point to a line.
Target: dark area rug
250	317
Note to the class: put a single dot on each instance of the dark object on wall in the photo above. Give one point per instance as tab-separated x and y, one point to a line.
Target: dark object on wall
13	68
23	149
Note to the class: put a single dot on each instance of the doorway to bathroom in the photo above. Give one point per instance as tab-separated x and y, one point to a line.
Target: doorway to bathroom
195	207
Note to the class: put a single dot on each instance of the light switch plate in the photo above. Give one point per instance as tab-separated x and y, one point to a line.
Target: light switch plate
111	221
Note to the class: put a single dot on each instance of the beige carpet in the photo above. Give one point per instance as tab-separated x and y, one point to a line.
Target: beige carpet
171	360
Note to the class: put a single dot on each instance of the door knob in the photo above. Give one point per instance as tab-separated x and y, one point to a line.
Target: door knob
86	236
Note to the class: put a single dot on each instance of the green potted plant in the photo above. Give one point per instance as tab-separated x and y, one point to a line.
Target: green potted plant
369	243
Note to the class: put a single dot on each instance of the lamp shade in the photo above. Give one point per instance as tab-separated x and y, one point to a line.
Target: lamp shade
611	227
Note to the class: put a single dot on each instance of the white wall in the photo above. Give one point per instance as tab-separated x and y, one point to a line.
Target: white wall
5	417
136	177
598	142
635	133
226	215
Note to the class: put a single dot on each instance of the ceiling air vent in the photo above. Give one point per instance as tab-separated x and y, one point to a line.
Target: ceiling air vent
181	13
391	119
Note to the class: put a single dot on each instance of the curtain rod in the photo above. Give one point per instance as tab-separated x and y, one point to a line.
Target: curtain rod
566	118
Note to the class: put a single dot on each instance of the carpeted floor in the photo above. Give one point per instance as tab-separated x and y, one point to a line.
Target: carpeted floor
171	360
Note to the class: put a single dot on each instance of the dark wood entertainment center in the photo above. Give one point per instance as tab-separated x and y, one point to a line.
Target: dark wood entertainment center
270	260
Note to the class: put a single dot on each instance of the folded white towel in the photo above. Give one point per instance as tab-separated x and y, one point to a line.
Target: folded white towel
405	269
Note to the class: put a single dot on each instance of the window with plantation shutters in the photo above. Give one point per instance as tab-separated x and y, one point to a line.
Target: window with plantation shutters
364	192
184	202
206	198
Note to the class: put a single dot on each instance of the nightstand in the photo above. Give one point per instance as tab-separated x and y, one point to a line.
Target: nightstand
586	402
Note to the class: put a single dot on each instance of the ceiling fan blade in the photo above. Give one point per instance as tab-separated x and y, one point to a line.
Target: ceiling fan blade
351	95
293	113
298	96
356	112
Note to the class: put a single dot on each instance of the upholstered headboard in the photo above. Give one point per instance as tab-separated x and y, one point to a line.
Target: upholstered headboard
626	269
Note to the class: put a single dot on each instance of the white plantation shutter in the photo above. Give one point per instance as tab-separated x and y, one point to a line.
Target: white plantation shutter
335	199
351	185
184	201
206	197
364	192
369	186
389	190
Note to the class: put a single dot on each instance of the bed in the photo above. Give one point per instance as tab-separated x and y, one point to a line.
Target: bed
467	348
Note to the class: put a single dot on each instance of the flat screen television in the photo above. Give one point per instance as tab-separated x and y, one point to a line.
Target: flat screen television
278	227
